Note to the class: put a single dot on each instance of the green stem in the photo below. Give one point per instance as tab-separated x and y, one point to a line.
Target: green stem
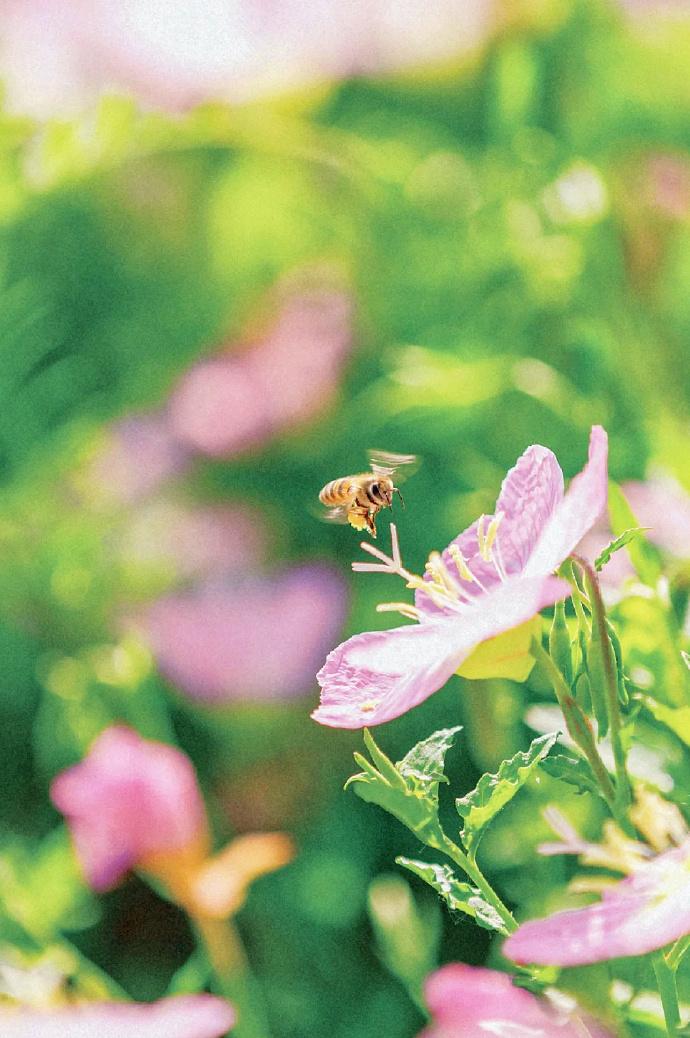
578	727
474	873
666	982
577	596
623	791
677	951
222	943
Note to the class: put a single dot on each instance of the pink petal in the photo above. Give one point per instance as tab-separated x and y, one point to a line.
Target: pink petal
128	798
190	1016
529	495
579	510
640	914
472	1002
376	676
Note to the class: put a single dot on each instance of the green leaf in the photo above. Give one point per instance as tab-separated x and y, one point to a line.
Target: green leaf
619	542
675	718
493	792
459	896
407	790
573	770
642	555
426	760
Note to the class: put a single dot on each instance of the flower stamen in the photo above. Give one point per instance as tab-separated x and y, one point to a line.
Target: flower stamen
410	612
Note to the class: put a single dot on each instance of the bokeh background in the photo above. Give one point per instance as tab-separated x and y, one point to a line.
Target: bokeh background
240	243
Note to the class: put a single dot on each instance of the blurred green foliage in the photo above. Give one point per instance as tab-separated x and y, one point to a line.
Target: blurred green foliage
517	276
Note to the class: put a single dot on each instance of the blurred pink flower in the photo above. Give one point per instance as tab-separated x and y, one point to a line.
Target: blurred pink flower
643	912
472	1002
195	541
664	506
258	640
667	184
189	1016
58	57
233	402
132	803
140	454
494	577
660	504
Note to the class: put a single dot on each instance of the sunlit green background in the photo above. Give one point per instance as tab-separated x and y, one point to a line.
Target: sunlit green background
513	229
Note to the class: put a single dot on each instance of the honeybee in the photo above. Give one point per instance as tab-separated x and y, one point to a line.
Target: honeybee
357	500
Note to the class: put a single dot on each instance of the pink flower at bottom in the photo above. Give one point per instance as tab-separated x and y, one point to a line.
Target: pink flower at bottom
190	1016
494	577
472	1002
129	800
643	912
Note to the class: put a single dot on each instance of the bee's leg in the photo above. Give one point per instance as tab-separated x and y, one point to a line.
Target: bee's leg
371	523
358	518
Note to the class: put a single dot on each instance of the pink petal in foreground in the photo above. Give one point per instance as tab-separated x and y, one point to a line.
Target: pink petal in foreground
376	676
644	912
191	1016
580	508
472	1002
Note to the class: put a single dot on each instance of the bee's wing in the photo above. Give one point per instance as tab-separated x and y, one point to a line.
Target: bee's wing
335	515
383	463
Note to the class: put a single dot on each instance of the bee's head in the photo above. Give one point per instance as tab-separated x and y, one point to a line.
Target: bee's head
381	490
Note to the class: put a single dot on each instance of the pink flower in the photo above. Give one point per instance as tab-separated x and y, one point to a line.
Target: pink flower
139	456
495	577
261	639
471	1002
189	1016
663	505
132	803
234	401
195	541
60	56
641	913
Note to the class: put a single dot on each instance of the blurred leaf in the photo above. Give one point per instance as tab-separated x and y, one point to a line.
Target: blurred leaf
193	976
493	792
675	718
407	932
459	896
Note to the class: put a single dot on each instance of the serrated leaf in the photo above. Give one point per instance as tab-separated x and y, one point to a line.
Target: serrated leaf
459	896
573	770
493	792
619	542
404	791
426	760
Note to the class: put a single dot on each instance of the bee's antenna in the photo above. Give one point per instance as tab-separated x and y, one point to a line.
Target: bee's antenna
402	499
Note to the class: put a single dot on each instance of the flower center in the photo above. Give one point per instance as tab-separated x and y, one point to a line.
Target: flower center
445	589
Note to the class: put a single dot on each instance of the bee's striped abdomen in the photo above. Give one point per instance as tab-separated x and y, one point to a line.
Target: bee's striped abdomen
338	492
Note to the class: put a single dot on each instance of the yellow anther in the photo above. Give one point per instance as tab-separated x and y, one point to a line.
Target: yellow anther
404	608
464	571
481	536
491	535
437	568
